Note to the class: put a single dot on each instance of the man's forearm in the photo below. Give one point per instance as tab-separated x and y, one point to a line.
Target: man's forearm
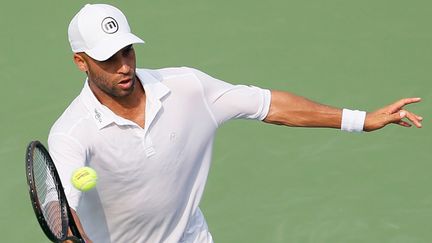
296	111
79	226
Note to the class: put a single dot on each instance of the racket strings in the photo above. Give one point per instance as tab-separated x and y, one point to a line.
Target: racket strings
47	193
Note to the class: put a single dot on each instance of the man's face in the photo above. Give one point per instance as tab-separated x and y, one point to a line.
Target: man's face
114	77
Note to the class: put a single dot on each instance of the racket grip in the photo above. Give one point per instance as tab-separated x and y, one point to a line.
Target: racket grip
74	240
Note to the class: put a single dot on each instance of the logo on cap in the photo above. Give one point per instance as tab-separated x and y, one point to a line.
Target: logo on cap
109	25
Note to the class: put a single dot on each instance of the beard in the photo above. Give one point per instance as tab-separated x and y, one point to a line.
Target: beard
112	88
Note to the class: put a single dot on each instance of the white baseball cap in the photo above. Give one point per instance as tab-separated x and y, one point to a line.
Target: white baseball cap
100	30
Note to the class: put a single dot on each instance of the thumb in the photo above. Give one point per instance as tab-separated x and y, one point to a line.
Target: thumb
396	117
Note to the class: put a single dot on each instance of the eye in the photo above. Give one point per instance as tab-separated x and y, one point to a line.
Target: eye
128	50
109	60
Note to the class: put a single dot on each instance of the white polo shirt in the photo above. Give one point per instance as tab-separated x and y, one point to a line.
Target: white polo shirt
150	180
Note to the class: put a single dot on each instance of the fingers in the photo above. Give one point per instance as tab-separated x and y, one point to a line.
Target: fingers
398	117
415	119
401	103
404	124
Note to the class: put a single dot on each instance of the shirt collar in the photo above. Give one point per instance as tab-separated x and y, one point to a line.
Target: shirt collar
103	116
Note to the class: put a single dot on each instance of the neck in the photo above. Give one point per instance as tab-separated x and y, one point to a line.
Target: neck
131	107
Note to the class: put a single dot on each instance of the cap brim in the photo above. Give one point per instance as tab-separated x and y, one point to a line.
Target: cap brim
111	46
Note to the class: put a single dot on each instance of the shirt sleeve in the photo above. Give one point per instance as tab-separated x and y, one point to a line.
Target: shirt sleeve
227	101
68	155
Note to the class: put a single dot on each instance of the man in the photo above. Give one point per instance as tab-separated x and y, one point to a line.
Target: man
149	133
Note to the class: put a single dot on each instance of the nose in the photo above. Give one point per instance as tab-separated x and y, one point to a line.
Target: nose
125	66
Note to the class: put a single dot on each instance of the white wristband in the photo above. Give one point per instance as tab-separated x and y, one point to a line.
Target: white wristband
353	121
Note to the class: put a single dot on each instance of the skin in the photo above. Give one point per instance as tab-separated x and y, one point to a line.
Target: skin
80	228
296	111
106	78
115	85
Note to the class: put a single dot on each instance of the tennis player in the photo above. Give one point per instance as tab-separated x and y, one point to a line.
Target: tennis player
149	133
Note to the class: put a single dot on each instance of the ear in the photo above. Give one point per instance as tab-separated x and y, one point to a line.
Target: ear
80	62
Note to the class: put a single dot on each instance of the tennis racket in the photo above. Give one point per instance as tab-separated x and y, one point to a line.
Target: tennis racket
47	196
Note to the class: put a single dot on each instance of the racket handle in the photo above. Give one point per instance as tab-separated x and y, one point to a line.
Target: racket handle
74	239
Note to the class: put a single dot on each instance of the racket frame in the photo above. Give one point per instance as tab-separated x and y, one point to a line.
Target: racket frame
67	217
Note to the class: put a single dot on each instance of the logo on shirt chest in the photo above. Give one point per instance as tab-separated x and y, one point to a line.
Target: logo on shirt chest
173	136
98	116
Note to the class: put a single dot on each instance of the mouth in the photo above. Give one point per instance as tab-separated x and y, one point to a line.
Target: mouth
125	83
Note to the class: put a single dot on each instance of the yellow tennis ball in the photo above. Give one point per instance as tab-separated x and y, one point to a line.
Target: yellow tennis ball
84	178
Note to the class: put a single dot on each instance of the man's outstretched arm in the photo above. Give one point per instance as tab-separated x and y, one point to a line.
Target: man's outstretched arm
296	111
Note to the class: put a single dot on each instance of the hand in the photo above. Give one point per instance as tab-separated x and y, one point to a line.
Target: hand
393	113
86	240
